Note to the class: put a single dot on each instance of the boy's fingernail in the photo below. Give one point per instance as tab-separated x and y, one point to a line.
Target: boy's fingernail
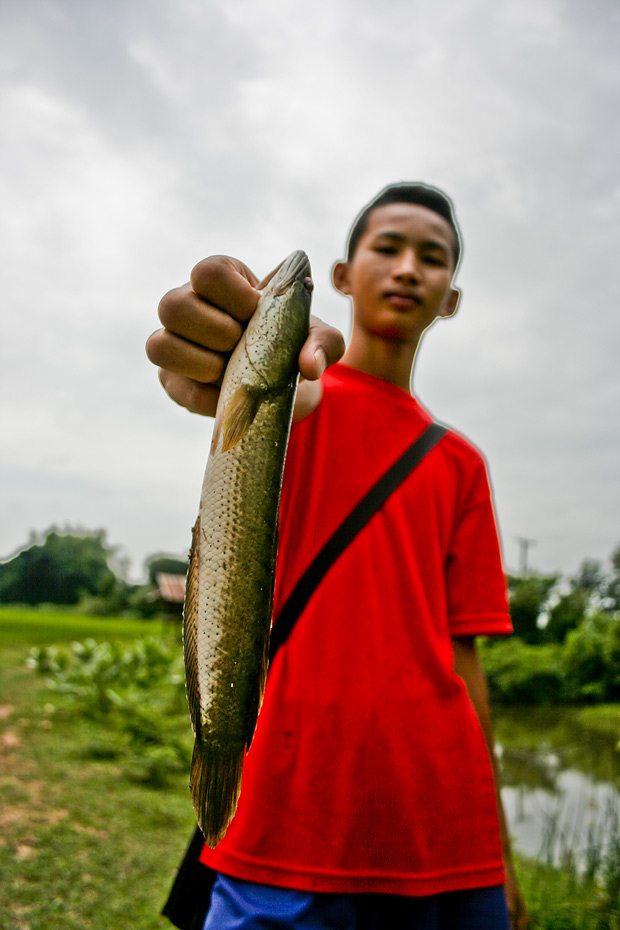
321	361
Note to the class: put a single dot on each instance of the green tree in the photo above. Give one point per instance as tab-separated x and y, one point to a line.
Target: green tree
163	564
528	595
590	578
59	567
571	607
566	614
612	588
591	659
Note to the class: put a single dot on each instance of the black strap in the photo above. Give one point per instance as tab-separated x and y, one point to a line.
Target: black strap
190	894
346	533
189	898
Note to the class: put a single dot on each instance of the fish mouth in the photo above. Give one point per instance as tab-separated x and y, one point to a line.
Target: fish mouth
294	268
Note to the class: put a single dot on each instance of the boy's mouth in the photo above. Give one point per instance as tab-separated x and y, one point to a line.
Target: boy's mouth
402	300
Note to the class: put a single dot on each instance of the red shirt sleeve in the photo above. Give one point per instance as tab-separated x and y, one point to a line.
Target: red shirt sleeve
475	580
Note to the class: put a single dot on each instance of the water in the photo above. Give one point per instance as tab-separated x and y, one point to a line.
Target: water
561	783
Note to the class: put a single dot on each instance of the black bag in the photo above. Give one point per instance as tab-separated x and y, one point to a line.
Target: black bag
190	895
188	901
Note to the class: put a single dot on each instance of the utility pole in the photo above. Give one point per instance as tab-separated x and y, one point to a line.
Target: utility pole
524	546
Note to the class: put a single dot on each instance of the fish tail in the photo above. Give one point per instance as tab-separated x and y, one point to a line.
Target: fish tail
215	783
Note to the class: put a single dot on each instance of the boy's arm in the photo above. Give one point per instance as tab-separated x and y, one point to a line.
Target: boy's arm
467	665
203	321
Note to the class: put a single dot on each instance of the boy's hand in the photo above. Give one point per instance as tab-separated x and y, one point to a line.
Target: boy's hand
203	322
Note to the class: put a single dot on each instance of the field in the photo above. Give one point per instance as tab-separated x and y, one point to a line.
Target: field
82	844
94	805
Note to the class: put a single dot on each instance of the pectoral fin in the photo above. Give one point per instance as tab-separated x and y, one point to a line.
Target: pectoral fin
239	414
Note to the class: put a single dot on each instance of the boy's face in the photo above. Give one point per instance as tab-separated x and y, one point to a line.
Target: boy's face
400	277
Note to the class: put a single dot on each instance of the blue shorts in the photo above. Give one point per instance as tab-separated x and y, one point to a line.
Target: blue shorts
239	905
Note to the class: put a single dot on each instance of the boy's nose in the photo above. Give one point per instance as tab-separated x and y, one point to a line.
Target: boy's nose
407	266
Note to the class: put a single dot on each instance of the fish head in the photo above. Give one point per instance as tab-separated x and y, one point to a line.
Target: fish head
279	327
294	269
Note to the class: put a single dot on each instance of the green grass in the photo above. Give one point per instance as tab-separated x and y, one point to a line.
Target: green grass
603	719
81	844
23	626
558	900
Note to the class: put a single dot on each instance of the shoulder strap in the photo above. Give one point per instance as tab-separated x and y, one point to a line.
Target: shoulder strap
347	531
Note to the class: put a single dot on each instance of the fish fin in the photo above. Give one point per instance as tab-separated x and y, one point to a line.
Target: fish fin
190	632
215	784
240	413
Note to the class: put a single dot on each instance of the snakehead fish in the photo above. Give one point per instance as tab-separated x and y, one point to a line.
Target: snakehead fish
229	589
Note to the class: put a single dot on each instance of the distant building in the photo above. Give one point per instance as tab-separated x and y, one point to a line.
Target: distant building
169	594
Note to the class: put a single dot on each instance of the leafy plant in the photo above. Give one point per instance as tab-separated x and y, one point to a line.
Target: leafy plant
134	692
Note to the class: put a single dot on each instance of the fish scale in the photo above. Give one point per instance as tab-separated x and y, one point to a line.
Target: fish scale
229	590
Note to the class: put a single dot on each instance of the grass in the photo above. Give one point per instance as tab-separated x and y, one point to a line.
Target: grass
83	844
557	900
24	626
603	719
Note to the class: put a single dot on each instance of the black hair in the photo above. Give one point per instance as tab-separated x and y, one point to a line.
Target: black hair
407	192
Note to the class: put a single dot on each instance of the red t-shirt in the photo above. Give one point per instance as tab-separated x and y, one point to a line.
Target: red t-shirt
369	770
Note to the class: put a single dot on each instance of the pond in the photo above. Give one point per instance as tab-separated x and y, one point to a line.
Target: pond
561	784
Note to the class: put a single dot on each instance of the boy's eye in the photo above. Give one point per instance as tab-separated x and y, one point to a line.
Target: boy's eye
386	249
434	260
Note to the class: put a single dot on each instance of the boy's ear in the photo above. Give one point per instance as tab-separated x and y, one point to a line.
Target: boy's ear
451	303
340	277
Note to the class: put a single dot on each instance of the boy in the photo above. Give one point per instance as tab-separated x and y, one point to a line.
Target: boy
370	796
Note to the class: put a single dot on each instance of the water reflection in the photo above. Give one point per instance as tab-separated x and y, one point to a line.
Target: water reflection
561	783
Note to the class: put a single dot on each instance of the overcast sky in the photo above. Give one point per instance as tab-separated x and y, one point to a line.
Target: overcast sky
139	136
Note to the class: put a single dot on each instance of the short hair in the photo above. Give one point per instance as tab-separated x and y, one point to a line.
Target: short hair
407	192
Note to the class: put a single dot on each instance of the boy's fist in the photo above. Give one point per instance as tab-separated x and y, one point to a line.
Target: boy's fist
203	322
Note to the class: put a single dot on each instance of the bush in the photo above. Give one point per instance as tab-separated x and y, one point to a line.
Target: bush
584	669
591	659
113	604
519	673
143	604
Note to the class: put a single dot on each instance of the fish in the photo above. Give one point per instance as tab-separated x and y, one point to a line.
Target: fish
228	605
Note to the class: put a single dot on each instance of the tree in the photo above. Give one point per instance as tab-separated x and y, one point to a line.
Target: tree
590	578
566	614
163	564
592	659
528	595
612	588
59	568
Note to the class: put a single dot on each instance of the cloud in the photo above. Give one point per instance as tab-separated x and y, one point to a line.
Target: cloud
141	136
